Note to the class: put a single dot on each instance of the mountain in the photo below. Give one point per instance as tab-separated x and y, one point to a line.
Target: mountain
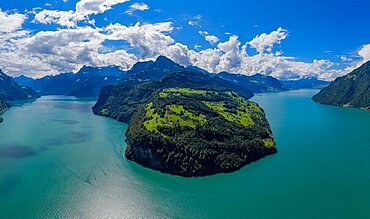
352	90
307	83
257	83
196	68
24	80
120	101
85	83
188	123
146	71
12	91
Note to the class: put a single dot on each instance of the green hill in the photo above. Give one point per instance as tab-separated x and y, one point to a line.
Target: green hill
352	90
189	123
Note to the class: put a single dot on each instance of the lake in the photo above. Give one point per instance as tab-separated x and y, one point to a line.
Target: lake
59	160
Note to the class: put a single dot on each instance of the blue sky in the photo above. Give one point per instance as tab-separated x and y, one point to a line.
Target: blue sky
323	39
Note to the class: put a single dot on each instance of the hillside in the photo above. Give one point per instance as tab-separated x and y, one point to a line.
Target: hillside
352	90
12	91
120	101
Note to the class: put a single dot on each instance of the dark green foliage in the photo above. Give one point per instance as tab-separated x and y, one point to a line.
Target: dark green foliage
218	145
352	90
11	90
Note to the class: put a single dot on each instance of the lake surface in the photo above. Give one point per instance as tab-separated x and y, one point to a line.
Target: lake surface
59	160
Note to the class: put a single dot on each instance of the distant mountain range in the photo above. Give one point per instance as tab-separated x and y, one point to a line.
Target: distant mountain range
89	80
352	90
85	83
306	83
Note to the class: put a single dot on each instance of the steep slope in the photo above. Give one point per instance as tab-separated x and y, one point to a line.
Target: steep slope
352	90
85	83
257	83
11	90
120	101
307	83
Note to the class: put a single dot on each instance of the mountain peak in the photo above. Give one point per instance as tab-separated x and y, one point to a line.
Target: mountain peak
164	59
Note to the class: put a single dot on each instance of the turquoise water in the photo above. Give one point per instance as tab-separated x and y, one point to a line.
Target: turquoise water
59	160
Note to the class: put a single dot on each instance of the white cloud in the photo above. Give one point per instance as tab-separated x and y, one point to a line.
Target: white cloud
212	39
137	7
88	7
203	33
346	59
193	23
84	8
265	42
63	18
67	49
364	52
195	20
11	22
150	39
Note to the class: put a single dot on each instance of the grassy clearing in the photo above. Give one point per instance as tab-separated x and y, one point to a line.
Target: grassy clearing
181	91
241	116
174	115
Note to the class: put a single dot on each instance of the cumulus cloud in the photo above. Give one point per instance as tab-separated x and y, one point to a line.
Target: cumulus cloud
364	52
150	39
11	22
137	7
63	18
84	8
88	7
67	49
212	39
265	42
